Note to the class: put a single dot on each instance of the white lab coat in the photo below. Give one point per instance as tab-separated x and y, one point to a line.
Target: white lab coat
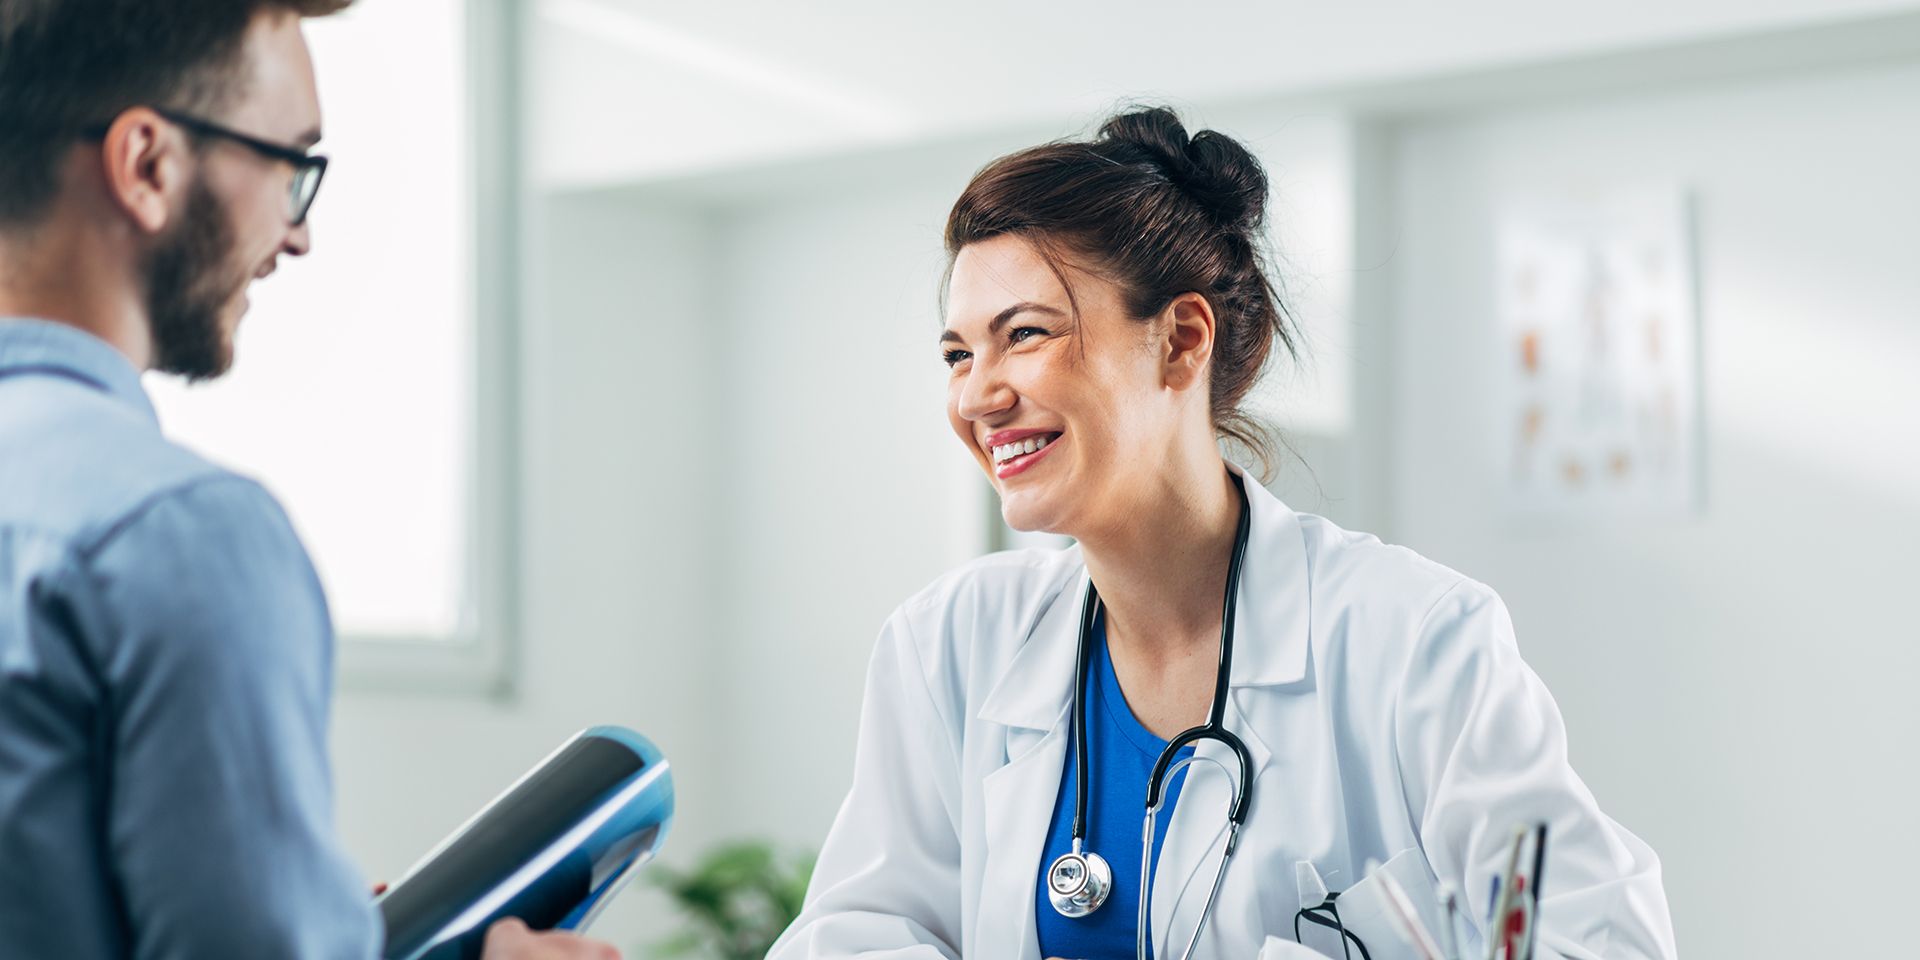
1381	695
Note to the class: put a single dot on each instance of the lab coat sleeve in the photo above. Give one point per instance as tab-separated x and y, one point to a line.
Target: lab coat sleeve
887	883
1481	747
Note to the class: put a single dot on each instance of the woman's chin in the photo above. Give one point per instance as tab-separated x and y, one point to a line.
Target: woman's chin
1020	514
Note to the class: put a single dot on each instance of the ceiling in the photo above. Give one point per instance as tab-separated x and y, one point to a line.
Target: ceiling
628	90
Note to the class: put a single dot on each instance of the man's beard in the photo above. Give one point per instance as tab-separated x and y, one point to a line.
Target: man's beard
187	288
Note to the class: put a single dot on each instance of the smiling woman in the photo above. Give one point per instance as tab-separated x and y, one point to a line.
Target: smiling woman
1107	313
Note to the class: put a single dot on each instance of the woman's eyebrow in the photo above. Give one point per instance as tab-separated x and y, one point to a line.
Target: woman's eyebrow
1000	319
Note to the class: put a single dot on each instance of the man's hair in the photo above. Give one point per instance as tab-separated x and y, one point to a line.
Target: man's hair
70	65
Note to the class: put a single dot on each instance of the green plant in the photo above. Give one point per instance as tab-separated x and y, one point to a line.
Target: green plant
736	900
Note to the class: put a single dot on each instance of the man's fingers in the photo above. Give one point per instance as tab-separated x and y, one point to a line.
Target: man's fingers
511	940
507	933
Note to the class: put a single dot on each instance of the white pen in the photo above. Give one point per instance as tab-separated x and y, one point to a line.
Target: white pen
1496	931
1450	908
1410	925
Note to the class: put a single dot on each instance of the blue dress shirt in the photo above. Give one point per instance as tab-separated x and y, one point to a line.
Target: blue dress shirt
165	670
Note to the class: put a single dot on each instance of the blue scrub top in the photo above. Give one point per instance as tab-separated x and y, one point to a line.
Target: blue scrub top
1122	753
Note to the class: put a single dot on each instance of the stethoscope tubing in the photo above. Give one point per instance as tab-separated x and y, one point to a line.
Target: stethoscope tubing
1141	937
1170	762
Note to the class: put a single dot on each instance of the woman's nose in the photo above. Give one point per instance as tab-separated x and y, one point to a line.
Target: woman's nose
984	392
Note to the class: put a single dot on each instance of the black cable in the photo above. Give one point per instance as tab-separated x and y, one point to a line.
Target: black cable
1089	611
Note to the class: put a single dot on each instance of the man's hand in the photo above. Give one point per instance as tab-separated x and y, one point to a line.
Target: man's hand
511	940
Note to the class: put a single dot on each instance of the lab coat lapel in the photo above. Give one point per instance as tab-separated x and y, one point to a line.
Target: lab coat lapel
1030	700
1270	649
1271	632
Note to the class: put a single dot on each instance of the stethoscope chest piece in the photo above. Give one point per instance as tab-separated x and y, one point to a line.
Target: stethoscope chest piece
1078	883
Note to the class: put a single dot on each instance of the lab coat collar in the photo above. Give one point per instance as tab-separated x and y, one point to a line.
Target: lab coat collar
1270	634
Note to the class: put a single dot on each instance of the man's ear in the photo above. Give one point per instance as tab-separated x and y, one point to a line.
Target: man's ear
1188	327
144	159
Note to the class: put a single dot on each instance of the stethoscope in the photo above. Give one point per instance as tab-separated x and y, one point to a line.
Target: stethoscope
1079	881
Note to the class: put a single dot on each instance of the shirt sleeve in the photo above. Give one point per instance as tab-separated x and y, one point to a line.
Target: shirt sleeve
887	883
218	669
1481	748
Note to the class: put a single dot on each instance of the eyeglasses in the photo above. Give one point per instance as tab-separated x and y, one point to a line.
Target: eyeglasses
308	168
1327	914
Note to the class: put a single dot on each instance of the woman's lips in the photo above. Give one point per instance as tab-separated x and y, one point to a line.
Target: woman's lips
1025	461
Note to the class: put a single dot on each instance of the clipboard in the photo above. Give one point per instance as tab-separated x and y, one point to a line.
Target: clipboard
552	850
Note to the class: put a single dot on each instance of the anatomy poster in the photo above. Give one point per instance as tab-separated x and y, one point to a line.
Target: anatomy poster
1599	355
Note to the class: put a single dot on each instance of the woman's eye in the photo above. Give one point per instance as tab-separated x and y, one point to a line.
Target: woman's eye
954	356
1024	333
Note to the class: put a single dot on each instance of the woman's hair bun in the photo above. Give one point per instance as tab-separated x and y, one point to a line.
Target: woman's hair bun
1213	168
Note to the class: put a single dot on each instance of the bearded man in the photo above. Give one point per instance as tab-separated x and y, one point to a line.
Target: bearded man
165	650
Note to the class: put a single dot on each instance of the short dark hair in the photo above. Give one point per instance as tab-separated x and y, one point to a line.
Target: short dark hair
1161	214
67	65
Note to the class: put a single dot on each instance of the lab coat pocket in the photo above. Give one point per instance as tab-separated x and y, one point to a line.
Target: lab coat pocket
1367	914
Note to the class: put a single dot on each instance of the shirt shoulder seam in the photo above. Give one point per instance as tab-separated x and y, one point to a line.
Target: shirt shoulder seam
92	547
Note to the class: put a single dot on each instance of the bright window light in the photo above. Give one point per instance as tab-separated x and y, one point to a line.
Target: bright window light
351	397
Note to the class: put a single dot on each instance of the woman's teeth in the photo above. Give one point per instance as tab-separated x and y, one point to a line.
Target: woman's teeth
1007	451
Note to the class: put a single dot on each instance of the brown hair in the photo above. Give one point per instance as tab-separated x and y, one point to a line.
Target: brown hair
1161	214
67	65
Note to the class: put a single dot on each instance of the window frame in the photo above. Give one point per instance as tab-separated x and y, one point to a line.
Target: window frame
478	658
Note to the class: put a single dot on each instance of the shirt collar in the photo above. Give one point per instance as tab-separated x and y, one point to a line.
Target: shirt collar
40	346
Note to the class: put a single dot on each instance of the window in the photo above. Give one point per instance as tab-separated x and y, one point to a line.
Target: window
371	390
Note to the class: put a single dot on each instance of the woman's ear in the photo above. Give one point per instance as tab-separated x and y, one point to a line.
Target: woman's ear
1188	323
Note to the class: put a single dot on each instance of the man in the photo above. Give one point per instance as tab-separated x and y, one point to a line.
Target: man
164	645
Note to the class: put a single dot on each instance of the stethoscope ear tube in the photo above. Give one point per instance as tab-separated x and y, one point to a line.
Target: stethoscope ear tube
1237	813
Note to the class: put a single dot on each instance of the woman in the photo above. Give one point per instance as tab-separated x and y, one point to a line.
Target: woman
1107	313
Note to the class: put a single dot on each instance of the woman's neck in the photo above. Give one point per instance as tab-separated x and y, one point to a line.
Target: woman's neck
1162	570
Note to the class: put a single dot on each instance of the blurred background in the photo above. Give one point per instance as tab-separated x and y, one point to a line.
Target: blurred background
610	393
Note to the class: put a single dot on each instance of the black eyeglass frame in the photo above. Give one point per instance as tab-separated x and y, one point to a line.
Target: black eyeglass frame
308	168
1327	914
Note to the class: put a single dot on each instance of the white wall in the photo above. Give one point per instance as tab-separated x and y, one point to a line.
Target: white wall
1737	686
846	490
619	484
